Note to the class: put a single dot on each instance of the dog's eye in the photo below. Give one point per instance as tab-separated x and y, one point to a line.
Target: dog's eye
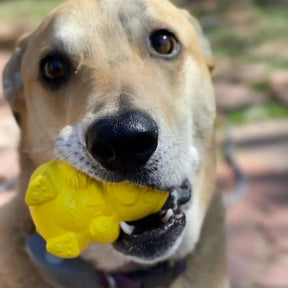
55	69
164	43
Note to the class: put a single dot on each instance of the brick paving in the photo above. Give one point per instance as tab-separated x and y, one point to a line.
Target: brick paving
257	226
9	136
258	223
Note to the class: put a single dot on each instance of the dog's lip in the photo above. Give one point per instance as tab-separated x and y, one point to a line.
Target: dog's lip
176	219
150	243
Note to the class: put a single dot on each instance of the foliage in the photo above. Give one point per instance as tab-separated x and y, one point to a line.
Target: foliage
258	113
32	10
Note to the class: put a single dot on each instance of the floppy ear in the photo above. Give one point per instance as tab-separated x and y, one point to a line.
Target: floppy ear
204	43
12	78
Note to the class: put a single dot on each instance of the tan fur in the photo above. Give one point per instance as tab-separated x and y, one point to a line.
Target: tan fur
113	74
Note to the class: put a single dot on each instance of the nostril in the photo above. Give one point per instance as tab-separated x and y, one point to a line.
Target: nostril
142	145
103	151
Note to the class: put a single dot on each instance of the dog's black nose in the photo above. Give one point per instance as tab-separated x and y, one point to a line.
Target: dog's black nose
123	142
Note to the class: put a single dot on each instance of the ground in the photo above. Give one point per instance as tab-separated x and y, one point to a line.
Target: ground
251	83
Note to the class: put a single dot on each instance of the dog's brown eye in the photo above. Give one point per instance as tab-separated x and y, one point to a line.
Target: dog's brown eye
164	43
55	70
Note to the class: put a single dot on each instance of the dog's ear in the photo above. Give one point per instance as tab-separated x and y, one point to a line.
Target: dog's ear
204	43
12	78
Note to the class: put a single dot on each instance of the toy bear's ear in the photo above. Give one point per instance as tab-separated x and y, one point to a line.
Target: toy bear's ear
203	41
12	78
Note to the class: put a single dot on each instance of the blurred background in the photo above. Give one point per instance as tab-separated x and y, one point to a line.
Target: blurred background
250	43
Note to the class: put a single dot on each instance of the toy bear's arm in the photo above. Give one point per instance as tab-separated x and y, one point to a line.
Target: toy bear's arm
41	188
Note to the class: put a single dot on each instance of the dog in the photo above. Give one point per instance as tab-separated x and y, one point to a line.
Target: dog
122	91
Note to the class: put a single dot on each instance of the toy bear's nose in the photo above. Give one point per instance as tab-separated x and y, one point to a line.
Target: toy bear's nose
123	142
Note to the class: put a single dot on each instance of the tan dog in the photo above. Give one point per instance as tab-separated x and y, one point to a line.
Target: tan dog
121	90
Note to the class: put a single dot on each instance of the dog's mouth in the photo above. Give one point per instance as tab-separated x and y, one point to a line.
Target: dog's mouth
154	236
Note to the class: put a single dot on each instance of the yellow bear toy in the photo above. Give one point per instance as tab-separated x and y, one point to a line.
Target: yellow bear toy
70	210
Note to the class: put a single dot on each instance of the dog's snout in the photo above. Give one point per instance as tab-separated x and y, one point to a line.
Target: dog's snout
123	142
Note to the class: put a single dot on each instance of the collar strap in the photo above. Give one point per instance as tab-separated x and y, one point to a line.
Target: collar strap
77	273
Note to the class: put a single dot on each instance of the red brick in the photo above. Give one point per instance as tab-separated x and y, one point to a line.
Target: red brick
254	164
225	177
6	197
239	96
9	167
5	110
269	129
275	227
269	193
243	214
279	84
9	132
247	252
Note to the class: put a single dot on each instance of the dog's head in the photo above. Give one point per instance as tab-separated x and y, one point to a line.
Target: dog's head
122	91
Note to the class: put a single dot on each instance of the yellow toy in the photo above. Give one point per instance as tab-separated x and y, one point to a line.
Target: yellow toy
70	210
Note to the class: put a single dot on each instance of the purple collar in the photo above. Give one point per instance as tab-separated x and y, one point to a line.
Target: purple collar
77	273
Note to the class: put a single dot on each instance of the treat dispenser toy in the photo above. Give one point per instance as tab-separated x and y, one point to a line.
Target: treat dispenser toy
70	210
